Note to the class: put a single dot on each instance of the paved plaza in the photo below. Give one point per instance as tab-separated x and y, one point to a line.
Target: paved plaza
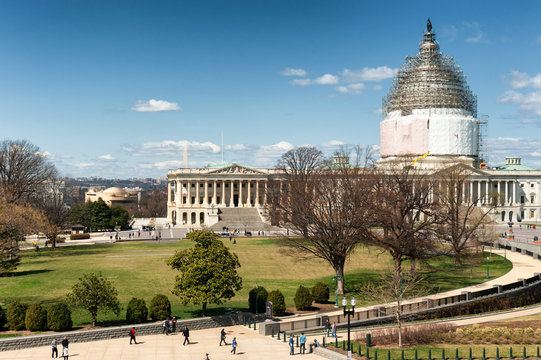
251	345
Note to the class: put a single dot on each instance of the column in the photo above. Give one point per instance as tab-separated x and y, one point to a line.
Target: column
188	193
265	193
257	193
168	192
206	200
223	193
241	202
514	191
479	198
249	196
231	203
487	191
472	198
506	199
214	193
197	185
178	192
499	193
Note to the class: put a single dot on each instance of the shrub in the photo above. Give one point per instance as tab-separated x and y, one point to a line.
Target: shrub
160	307
303	298
59	317
262	295
36	318
79	236
137	311
2	318
278	302
16	315
320	292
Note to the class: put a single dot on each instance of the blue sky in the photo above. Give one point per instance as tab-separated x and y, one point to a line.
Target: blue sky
118	88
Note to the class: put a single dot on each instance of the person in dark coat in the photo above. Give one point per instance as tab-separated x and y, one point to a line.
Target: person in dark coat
132	336
186	333
222	337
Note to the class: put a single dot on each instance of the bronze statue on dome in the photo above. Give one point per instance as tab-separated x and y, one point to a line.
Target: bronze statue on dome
429	26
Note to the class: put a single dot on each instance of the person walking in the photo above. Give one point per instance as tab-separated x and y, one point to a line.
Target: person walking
174	323
164	326
54	345
206	357
291	345
132	335
222	337
65	345
333	328
234	346
327	327
186	333
302	340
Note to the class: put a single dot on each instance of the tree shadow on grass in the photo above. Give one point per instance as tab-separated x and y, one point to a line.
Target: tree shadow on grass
26	272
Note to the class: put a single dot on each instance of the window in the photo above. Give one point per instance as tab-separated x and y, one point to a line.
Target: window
226	185
183	185
532	214
532	199
521	185
201	185
531	185
193	185
522	200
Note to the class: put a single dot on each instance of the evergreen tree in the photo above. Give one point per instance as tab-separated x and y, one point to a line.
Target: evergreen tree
208	272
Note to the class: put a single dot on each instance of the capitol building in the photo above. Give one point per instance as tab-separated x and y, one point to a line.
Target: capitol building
430	113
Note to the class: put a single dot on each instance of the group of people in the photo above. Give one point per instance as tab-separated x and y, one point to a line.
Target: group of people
65	344
302	344
330	328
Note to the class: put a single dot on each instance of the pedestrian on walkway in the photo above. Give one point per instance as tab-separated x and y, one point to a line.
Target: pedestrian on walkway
333	334
132	336
54	344
234	346
65	345
166	325
327	327
186	333
174	323
302	340
222	337
206	357
291	345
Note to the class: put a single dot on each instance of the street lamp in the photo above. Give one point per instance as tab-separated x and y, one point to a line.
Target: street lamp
336	278
487	268
349	313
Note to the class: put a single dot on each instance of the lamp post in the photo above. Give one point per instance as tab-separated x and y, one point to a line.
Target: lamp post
256	301
487	268
349	313
336	278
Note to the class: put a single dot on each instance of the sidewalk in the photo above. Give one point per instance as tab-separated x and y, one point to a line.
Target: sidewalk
161	347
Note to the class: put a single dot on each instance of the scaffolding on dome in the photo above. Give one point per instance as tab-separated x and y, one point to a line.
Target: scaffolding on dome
429	80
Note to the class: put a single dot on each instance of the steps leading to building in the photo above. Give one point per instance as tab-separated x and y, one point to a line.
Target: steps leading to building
240	219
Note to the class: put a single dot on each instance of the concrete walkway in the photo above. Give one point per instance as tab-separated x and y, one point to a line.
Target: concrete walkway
161	347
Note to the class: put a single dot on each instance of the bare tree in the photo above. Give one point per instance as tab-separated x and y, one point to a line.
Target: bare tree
16	221
322	204
23	170
404	215
153	204
460	210
51	201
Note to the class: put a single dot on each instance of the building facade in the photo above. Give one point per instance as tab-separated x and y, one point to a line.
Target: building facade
429	114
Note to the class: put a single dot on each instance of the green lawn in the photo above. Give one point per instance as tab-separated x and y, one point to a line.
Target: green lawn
140	270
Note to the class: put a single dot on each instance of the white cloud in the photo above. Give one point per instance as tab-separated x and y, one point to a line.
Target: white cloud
238	147
368	74
530	103
526	148
476	35
378	111
333	144
520	80
450	32
293	72
326	79
106	157
153	105
85	165
351	88
301	82
162	165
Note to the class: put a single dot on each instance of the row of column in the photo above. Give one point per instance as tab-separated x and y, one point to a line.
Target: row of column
177	195
482	190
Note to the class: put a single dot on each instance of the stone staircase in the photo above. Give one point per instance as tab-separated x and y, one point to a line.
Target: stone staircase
240	219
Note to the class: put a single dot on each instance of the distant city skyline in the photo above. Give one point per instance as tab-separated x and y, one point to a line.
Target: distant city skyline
118	89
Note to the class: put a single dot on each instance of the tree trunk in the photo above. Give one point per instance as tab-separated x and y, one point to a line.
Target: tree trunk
413	266
340	283
204	310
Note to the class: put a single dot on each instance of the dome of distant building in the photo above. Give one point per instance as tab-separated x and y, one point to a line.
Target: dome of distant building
115	191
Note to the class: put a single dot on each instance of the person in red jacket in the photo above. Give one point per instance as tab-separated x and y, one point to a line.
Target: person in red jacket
132	335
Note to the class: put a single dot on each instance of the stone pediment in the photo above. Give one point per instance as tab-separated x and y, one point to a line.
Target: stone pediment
236	169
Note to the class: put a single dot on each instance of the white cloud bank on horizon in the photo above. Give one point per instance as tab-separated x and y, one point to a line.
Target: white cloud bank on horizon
293	72
154	105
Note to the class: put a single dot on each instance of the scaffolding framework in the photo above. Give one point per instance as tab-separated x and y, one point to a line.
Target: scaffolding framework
429	80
